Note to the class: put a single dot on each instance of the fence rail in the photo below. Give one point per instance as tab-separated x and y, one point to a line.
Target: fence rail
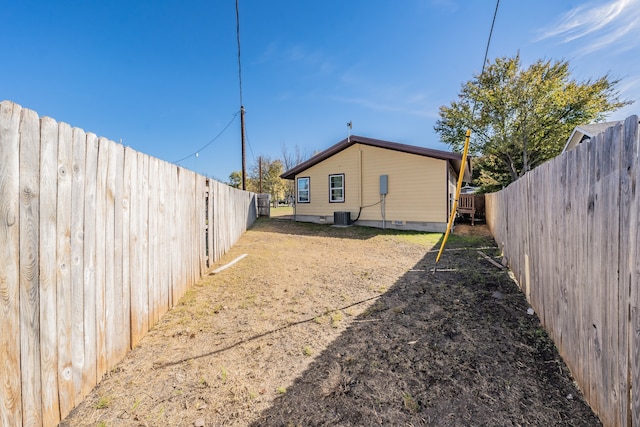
97	241
569	230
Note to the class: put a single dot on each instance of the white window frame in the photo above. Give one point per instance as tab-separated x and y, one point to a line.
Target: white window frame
299	193
332	188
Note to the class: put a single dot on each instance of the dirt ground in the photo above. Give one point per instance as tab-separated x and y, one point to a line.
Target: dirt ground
326	326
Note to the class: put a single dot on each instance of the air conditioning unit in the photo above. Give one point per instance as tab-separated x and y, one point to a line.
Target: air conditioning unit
341	218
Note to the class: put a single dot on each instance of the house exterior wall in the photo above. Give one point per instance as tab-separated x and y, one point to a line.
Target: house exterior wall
417	192
344	162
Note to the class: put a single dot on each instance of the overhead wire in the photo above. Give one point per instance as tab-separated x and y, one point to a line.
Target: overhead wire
195	153
253	156
493	22
210	142
486	52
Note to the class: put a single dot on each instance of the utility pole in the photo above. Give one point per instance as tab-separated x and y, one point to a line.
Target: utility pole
243	137
260	174
244	156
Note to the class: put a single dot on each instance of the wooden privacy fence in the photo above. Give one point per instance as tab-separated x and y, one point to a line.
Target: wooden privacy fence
97	241
569	230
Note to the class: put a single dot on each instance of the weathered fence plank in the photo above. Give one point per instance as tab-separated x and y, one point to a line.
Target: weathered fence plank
178	266
608	284
163	249
177	284
592	272
120	346
202	224
183	234
630	270
29	266
48	271
110	282
211	240
173	261
542	299
10	344
102	263
90	252
139	290
567	265
581	370
77	262
62	241
574	221
193	226
627	248
154	286
560	316
145	289
634	327
616	388
186	191
129	159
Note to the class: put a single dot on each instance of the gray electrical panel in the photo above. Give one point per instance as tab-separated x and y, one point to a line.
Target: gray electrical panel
384	184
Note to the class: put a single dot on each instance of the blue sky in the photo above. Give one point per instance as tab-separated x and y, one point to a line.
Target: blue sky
162	75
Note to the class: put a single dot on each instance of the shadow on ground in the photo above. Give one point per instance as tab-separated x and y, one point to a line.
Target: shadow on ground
454	348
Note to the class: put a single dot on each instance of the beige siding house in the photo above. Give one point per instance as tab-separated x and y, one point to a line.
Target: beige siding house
377	183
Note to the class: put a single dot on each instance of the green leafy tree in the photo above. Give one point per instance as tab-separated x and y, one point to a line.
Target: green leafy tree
269	182
522	117
235	179
489	174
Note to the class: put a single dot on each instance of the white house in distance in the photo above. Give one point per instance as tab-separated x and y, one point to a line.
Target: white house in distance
377	183
584	133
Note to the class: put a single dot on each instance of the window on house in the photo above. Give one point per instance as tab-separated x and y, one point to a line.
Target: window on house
303	190
336	188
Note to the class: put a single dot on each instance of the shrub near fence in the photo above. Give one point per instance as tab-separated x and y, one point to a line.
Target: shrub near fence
97	241
569	230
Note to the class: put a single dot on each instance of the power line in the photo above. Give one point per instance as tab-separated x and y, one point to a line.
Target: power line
253	156
210	142
493	22
238	37
486	51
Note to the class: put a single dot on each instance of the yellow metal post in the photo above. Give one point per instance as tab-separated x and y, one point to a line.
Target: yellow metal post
455	200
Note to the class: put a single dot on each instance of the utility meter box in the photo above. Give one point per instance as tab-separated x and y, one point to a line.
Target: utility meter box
384	184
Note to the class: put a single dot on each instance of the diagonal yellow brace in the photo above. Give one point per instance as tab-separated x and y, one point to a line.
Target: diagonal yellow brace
455	200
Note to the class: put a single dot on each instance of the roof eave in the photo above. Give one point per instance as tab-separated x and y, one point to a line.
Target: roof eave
317	158
455	158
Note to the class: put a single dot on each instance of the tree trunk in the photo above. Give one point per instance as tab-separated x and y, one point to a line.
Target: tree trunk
506	158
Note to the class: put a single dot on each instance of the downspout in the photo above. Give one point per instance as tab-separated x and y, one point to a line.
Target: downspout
360	184
361	192
360	176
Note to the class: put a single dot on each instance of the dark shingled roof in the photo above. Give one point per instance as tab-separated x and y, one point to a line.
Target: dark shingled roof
454	158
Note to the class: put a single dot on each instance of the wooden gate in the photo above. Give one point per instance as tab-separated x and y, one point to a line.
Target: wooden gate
264	205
